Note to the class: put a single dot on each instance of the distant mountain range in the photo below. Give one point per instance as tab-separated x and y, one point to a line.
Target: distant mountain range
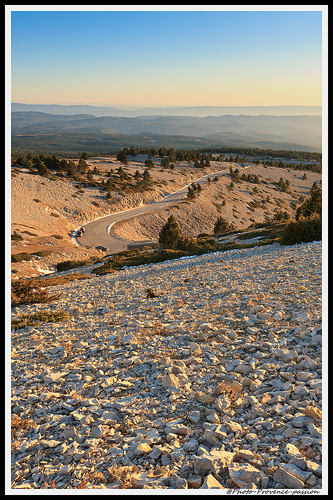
73	109
294	132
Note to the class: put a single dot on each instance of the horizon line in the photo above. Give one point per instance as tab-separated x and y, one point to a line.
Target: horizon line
173	106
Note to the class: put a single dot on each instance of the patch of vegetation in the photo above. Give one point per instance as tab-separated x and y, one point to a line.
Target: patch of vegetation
253	204
16	236
283	185
25	256
42	253
32	291
60	280
311	206
19	257
135	257
71	264
302	231
29	292
280	215
253	178
18	424
255	234
268	154
30	233
170	235
192	190
222	226
40	317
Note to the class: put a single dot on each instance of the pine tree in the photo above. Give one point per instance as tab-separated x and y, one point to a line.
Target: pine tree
170	235
222	226
312	206
190	193
146	177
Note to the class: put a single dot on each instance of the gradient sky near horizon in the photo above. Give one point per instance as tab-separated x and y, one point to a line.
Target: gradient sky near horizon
167	58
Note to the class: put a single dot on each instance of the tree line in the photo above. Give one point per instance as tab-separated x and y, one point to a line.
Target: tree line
167	155
43	163
202	158
269	153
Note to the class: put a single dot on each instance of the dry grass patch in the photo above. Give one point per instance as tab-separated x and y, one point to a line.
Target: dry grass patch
18	424
39	317
32	291
29	292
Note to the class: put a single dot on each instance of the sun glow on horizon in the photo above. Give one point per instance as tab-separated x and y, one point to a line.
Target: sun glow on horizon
169	58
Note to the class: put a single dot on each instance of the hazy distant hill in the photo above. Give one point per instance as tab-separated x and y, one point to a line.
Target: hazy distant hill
162	111
295	131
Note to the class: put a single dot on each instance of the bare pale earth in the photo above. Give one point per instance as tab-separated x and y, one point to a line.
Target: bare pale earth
44	209
214	383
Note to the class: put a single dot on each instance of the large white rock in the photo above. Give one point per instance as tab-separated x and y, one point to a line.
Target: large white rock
216	461
244	473
287	479
210	483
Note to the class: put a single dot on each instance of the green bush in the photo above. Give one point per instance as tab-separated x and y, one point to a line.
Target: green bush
302	231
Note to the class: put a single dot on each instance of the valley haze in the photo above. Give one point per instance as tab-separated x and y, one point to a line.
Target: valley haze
71	109
297	128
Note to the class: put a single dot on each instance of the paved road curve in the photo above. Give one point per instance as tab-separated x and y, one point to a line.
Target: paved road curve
97	231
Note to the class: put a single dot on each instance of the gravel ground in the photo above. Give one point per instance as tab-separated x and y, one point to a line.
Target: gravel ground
214	383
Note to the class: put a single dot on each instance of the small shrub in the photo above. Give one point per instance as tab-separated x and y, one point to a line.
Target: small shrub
16	237
151	294
280	215
190	193
19	257
302	231
29	233
42	253
222	226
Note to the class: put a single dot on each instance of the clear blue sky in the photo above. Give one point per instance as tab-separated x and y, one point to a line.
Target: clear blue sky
166	58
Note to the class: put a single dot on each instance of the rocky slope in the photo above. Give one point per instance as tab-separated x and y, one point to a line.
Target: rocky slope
216	382
45	211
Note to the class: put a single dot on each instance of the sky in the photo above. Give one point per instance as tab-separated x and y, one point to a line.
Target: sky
166	58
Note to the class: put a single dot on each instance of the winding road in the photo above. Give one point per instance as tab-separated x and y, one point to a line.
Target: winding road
98	231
